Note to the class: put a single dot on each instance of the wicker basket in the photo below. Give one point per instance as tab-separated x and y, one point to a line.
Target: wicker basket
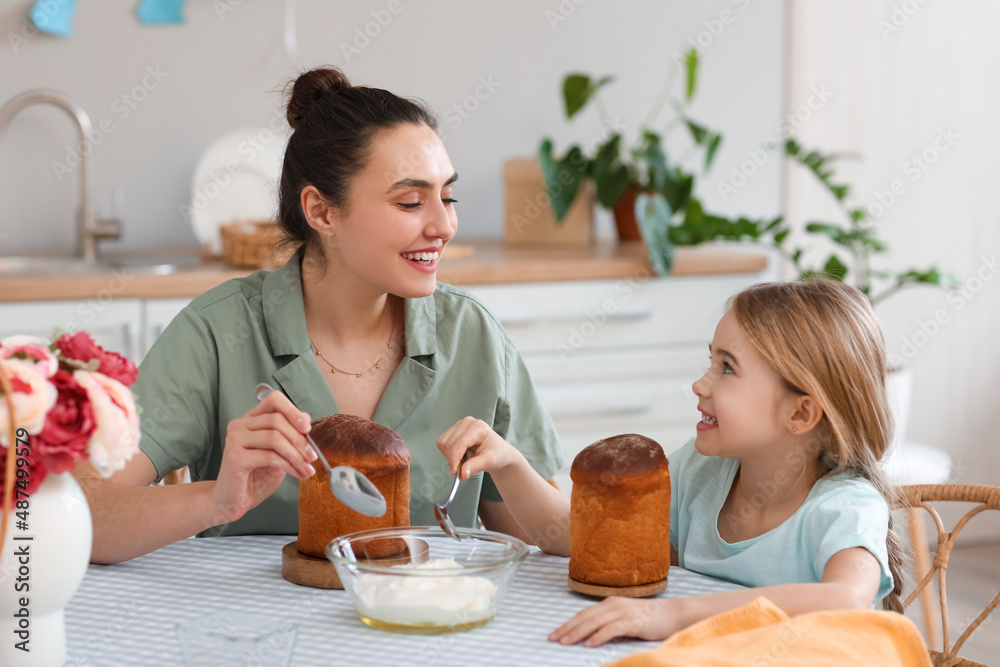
252	244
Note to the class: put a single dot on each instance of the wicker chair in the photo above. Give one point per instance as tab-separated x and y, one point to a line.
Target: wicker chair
917	496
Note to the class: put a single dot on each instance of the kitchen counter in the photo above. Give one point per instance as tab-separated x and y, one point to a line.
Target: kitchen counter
470	262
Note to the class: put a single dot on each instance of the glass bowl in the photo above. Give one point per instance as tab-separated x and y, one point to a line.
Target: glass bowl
417	580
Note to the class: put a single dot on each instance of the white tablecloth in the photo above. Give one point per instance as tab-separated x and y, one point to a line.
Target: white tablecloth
126	614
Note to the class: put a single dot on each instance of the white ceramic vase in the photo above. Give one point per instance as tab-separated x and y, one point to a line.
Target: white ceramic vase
47	576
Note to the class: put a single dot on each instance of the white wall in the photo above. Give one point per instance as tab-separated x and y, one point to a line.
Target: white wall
224	73
896	91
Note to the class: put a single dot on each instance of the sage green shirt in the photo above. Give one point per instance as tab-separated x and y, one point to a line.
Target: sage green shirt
201	373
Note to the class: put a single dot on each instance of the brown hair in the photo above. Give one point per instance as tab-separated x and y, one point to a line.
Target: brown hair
823	338
334	126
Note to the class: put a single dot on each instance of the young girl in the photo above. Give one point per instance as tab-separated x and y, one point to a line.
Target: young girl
781	490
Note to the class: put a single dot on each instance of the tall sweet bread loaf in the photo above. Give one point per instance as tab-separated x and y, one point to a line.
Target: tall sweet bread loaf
372	449
620	513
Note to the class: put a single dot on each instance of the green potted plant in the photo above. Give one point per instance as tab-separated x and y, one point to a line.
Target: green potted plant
620	171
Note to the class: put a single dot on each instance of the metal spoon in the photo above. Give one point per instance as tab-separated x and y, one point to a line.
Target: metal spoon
348	485
441	511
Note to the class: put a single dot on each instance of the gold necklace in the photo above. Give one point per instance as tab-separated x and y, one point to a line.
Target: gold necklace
378	362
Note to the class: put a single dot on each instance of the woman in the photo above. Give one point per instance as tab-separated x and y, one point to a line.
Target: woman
355	323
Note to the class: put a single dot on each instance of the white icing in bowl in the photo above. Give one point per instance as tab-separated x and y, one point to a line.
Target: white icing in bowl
437	601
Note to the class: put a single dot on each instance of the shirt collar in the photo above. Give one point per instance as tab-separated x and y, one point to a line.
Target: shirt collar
285	318
420	316
284	309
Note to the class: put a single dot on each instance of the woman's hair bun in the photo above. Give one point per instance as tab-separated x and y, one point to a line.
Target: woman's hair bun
311	87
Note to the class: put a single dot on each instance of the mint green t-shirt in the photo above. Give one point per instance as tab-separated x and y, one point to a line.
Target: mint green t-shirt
459	362
841	511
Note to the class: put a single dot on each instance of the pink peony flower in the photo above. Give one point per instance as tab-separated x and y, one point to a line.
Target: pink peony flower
33	397
116	438
68	413
31	351
68	428
81	346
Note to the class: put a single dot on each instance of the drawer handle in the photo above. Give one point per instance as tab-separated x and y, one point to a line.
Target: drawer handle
613	411
629	316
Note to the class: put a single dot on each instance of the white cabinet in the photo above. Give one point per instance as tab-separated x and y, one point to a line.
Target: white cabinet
115	324
617	356
126	326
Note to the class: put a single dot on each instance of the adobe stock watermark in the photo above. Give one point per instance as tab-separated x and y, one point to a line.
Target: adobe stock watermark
899	16
581	334
534	207
28	30
778	652
223	7
915	167
248	150
119	622
122	107
961	296
562	12
714	29
462	110
740	174
795	465
88	309
363	35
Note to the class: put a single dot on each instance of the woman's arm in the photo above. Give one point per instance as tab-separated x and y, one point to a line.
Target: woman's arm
538	508
850	581
132	518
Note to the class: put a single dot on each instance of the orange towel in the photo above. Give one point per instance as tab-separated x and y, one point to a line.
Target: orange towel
760	634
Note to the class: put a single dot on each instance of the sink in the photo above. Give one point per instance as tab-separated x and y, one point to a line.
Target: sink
147	264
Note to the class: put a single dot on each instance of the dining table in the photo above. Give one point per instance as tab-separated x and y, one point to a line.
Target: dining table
128	613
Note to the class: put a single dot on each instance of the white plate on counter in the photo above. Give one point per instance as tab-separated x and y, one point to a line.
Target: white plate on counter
236	178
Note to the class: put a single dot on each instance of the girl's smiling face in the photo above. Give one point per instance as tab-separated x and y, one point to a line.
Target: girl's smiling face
745	404
401	213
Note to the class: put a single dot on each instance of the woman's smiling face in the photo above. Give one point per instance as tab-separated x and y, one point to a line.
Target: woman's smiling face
742	398
400	214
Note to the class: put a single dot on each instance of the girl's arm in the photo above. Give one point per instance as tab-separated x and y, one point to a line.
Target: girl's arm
539	509
850	581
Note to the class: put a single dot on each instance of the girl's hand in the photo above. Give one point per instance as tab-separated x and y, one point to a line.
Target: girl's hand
618	617
487	451
262	447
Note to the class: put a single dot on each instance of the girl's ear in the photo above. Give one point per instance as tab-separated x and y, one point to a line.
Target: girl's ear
806	413
318	213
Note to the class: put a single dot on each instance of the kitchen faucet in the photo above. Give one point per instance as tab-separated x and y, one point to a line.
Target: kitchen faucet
89	228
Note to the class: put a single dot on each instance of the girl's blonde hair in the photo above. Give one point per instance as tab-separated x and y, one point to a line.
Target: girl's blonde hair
824	339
